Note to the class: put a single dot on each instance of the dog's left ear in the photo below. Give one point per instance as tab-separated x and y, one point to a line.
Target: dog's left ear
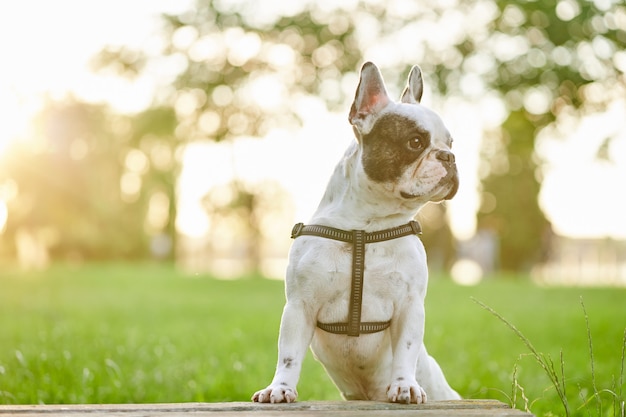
414	87
371	95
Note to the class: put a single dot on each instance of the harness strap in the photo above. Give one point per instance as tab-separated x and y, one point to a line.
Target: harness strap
358	238
356	290
364	327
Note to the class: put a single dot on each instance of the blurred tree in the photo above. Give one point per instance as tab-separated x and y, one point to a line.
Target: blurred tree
251	210
437	237
241	69
545	60
238	78
550	59
242	73
67	187
510	206
151	161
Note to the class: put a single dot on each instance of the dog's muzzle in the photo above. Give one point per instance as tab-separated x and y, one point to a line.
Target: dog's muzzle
452	177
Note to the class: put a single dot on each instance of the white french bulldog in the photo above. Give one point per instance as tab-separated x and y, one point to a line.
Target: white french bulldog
368	330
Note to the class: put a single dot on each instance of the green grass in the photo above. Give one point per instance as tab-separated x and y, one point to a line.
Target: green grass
117	333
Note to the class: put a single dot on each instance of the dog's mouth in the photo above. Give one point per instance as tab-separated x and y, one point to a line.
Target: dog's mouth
409	196
450	182
453	190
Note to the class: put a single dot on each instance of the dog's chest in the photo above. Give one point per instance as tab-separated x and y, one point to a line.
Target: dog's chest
394	270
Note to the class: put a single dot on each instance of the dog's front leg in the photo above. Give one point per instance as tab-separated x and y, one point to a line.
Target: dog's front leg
407	335
296	332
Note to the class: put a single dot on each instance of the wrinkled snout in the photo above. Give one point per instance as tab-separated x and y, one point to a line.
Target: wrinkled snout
452	178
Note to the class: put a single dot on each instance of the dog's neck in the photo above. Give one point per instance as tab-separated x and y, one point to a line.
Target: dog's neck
348	203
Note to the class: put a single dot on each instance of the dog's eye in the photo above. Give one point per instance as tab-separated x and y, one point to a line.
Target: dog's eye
415	144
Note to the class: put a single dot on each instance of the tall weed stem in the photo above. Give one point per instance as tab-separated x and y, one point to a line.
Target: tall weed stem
545	362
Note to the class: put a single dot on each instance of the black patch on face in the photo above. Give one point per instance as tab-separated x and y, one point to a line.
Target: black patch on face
391	146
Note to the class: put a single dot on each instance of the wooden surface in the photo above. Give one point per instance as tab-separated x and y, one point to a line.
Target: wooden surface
487	408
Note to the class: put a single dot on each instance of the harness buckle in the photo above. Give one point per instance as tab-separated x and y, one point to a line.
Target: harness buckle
297	229
415	226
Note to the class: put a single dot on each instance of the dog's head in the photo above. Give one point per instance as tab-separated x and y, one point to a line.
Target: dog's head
405	146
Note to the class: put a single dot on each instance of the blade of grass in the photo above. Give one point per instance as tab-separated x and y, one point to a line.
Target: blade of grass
546	365
621	377
591	359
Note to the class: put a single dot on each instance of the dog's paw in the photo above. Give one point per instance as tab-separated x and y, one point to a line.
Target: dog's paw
280	393
403	391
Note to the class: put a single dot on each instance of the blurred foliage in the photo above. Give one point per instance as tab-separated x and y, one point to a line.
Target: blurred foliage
543	59
90	184
154	149
241	76
513	188
253	213
67	187
560	59
239	70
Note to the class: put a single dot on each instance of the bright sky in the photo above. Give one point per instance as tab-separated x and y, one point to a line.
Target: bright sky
46	46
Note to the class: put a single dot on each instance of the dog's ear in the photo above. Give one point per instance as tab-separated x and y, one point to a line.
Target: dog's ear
371	95
412	93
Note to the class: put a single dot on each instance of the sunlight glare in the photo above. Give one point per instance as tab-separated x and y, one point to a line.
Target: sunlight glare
53	59
4	215
580	194
17	115
267	91
466	272
8	191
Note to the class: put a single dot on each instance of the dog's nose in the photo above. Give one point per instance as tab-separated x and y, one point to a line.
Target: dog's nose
445	156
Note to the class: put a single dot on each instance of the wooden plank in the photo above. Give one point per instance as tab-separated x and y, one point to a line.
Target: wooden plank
473	408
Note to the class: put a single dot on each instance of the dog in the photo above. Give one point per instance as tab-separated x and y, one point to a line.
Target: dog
357	275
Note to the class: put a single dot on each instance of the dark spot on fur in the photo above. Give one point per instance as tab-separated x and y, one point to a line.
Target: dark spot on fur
409	344
361	367
283	384
386	151
400	378
288	362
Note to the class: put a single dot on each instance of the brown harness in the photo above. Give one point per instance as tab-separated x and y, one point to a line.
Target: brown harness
358	239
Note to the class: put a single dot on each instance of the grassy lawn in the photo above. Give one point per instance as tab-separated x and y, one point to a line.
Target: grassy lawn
116	333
